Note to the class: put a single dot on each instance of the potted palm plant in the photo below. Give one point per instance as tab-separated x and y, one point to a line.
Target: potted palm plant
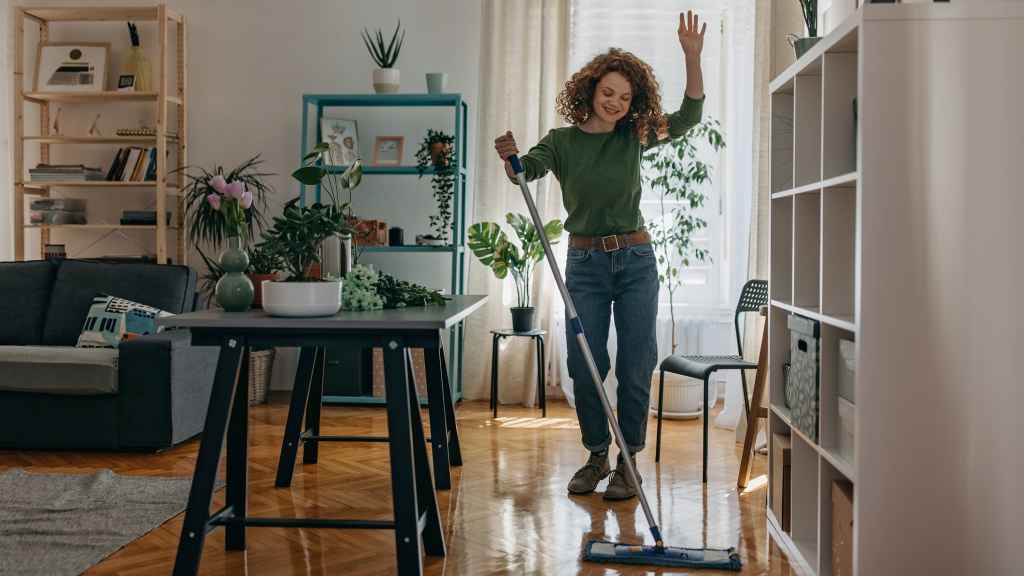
679	174
386	77
491	246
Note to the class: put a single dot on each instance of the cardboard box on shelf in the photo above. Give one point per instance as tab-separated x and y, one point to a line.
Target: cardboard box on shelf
781	473
842	528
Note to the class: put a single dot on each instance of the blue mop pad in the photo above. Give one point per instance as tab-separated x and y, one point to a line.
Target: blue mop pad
603	551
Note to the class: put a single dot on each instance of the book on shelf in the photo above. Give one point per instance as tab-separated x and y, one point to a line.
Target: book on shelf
64	172
141	218
133	164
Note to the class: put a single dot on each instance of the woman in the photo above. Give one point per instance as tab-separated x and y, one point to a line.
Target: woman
614	108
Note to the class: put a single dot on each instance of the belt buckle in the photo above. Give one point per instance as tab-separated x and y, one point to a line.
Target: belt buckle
604	243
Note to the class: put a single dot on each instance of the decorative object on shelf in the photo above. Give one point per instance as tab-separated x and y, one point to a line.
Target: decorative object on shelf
386	77
93	130
437	82
65	173
396	236
56	121
72	66
207	224
430	240
343	137
388	150
810	14
337	249
490	244
55	251
437	152
141	131
368	289
126	83
142	217
678	173
57	211
136	64
263	265
234	291
296	238
802	389
369	232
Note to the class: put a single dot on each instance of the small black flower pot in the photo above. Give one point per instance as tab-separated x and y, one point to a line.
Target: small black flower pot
522	318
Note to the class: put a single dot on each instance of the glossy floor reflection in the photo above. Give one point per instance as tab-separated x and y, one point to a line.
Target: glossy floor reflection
508	512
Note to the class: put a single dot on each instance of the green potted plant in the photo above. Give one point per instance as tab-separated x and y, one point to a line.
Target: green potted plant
264	264
492	247
436	155
679	173
225	208
386	77
320	168
809	8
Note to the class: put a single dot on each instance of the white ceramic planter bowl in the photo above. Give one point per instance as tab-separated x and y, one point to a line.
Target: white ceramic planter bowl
683	396
302	299
386	80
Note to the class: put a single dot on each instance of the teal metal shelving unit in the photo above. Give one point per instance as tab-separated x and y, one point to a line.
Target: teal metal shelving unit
313	106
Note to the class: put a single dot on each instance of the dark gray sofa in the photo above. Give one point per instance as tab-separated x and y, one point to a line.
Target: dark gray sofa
150	394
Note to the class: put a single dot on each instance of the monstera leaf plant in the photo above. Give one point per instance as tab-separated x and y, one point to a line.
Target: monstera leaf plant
492	247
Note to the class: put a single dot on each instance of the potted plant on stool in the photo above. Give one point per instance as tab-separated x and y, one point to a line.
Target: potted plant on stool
490	244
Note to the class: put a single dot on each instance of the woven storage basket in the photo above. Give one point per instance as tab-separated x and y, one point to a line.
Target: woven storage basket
261	364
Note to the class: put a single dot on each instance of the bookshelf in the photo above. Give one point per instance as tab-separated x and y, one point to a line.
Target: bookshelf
168	101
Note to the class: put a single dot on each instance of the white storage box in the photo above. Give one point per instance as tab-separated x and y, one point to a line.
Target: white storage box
847	368
844	433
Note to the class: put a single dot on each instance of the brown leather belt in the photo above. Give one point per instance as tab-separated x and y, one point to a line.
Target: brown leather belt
609	243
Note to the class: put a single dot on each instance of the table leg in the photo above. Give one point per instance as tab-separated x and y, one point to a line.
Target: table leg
438	418
454	447
540	377
310	451
426	497
494	374
238	464
197	513
403	463
292	430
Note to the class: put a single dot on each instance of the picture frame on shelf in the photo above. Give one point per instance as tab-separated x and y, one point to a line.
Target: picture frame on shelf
387	150
126	83
342	134
72	66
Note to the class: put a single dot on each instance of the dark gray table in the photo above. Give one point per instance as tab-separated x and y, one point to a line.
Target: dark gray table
412	486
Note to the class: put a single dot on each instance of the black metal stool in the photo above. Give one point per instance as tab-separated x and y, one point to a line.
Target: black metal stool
538	337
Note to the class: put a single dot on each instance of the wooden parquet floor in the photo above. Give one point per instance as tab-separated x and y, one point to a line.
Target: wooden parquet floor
507	513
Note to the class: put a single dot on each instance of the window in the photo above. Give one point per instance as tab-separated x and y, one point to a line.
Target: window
648	29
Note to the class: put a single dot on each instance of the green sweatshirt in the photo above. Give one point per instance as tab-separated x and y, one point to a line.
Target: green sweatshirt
600	173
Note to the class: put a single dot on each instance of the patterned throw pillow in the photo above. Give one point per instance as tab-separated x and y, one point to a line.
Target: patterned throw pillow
112	320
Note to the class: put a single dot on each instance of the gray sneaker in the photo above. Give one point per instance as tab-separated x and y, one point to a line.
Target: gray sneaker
586	479
619	487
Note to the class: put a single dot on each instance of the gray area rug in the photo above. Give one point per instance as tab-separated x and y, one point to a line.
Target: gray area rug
57	524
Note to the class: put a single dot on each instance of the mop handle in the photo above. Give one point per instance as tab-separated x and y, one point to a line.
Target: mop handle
581	339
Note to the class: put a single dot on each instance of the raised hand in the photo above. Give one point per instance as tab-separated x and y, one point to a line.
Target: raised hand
691	34
505	145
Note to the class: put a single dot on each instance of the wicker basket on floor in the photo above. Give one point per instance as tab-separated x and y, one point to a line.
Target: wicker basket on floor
261	364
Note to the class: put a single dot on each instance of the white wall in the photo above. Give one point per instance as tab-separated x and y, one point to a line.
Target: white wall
250	61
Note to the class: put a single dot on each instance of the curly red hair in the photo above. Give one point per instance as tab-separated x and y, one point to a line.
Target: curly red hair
575	101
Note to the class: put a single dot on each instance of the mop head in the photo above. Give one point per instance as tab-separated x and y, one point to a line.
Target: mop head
603	551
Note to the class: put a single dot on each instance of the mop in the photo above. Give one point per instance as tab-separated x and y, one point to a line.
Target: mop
600	550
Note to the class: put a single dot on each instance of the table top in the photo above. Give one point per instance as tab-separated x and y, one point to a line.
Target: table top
409	318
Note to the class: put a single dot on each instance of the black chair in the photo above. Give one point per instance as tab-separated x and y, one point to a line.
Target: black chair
752	298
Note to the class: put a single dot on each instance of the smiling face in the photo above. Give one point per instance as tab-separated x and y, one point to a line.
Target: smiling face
612	97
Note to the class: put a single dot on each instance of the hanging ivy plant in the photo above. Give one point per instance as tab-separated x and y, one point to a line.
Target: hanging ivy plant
437	152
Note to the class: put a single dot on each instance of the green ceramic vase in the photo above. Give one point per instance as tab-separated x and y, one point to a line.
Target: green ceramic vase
234	291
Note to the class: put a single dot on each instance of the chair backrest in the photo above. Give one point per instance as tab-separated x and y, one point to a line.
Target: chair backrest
752	297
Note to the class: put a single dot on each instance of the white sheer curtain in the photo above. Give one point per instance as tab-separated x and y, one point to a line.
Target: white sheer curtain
648	29
523	66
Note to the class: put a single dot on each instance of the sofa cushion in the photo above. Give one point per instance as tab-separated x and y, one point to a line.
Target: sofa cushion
112	320
58	370
162	286
24	297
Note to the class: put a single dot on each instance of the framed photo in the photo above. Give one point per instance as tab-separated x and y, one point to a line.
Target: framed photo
126	83
387	150
343	137
72	66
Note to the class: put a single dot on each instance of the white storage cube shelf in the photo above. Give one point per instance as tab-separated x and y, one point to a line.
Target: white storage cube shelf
813	237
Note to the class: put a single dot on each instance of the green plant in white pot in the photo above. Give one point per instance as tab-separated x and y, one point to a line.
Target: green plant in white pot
386	77
491	246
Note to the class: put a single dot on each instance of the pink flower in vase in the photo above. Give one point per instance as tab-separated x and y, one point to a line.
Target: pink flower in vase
213	200
218	183
246	199
234	190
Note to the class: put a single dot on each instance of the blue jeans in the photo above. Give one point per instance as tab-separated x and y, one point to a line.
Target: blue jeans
624	283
